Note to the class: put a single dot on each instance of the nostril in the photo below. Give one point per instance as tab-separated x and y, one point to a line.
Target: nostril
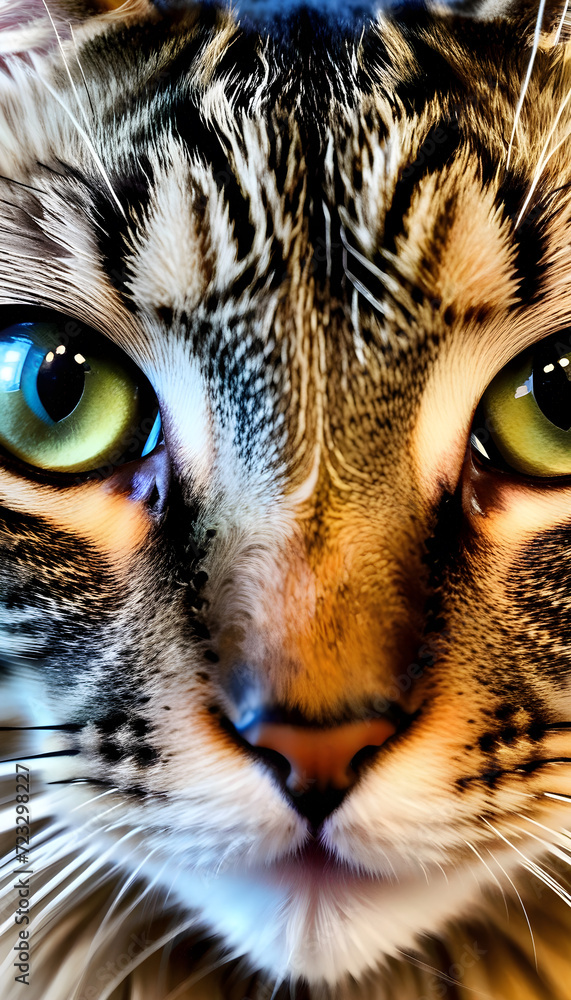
362	756
278	763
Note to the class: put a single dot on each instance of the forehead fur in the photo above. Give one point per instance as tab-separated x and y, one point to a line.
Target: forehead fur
317	117
303	184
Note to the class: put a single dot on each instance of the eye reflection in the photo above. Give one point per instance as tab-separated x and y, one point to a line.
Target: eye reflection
12	357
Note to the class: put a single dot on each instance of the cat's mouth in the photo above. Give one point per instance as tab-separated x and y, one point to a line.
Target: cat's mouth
315	856
314	866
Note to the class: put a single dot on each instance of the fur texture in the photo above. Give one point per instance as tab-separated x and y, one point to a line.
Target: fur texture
320	244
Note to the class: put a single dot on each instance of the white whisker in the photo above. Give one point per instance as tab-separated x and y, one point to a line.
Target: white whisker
49	857
556	795
424	871
65	63
185	925
486	865
94	864
81	131
560	834
53	884
443	870
39	841
544	157
525	85
561	22
82	805
506	841
540	873
110	926
438	973
553	849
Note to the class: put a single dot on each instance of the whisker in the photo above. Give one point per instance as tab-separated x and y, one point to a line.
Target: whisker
545	157
66	65
94	798
486	865
92	867
409	957
544	876
424	871
38	841
553	848
560	26
40	756
88	142
558	833
557	795
443	870
549	881
527	78
185	925
47	888
532	866
501	867
84	878
110	926
81	781
89	822
129	880
540	873
54	848
69	727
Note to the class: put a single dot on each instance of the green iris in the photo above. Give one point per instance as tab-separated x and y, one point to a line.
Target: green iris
527	411
71	404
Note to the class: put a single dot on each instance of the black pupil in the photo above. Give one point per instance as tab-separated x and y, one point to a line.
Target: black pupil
552	388
60	383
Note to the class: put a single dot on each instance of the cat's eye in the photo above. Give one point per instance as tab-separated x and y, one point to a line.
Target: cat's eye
70	401
524	419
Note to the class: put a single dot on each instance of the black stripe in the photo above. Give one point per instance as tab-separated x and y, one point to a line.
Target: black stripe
529	238
435	153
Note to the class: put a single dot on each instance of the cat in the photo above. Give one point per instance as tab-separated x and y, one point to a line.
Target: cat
284	584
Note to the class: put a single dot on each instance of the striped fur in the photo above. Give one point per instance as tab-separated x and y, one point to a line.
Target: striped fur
320	244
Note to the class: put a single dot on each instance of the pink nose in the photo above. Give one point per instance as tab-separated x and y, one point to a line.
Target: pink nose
319	758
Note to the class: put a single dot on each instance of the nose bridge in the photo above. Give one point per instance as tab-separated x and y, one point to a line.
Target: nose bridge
342	617
350	608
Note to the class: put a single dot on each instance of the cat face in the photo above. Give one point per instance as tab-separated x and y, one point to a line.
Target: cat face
307	257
